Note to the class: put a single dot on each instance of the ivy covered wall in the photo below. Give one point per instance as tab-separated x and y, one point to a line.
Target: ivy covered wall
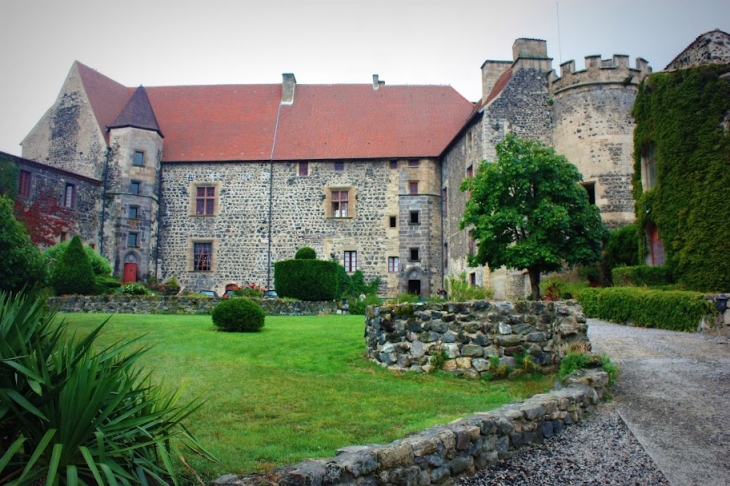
684	115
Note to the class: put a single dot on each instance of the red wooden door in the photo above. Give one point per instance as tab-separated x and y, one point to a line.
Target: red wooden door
657	247
130	272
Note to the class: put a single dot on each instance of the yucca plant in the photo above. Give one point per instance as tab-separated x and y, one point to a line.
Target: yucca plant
70	414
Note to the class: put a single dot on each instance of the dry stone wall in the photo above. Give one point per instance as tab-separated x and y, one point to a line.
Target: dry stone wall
407	337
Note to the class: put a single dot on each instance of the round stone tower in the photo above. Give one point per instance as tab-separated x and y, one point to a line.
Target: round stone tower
594	129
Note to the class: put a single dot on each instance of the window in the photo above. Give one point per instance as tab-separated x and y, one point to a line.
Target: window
138	159
393	264
413	163
350	262
393	221
303	169
444	202
24	186
339	204
393	164
471	244
133	212
62	236
134	187
473	278
590	188
132	240
205	200
69	196
446	255
202	256
648	166
339	166
414	255
415	217
413	187
470	171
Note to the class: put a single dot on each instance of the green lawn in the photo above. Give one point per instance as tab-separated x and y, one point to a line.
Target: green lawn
301	388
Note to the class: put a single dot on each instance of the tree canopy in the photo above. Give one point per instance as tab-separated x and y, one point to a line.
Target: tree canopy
528	211
21	263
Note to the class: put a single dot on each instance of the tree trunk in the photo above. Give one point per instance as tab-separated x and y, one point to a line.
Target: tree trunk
534	282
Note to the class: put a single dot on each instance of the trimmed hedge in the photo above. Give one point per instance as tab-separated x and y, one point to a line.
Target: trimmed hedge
238	315
306	279
305	253
641	276
73	273
675	310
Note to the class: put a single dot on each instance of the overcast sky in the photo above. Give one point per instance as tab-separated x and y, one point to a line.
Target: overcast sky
176	42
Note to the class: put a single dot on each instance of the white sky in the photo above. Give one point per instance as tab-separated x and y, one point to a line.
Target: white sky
176	42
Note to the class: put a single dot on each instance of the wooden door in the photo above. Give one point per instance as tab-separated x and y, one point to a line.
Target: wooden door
130	272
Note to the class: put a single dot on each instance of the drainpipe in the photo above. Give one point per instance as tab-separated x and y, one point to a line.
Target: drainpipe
271	199
103	201
159	221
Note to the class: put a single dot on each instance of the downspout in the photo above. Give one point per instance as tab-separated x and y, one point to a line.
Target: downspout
271	198
103	202
159	221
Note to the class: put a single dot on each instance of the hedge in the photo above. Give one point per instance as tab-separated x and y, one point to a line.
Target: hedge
675	310
306	279
641	276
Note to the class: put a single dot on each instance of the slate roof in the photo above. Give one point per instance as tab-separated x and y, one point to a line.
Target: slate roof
238	122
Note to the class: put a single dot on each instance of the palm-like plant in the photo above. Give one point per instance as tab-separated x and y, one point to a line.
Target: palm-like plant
70	414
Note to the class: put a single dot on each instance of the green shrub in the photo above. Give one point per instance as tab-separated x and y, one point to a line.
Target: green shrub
405	298
623	247
73	414
305	253
134	289
22	264
252	291
105	284
238	315
641	276
573	361
460	290
171	286
73	273
675	310
357	306
438	359
306	279
100	264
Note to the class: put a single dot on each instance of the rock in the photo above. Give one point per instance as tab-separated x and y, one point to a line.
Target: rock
504	328
417	350
472	351
395	454
449	337
463	363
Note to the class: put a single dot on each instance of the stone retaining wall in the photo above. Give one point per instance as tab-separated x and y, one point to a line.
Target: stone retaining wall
443	453
124	304
467	335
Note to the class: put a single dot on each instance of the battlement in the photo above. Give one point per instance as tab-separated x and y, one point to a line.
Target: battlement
601	71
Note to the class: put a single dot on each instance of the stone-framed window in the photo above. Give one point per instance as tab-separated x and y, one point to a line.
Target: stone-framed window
414	255
393	164
339	166
648	166
201	254
24	184
303	169
412	187
590	188
339	202
472	246
138	158
470	172
62	236
472	278
446	255
393	221
134	187
205	198
415	217
69	196
132	240
414	163
133	212
350	261
393	264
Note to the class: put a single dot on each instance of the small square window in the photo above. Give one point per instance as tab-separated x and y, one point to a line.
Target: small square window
413	254
69	196
339	166
303	169
25	184
413	163
393	264
132	240
393	221
205	201
134	187
133	212
63	236
413	187
138	158
393	164
415	217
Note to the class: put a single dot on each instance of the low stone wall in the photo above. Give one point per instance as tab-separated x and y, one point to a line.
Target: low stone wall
444	453
127	304
467	335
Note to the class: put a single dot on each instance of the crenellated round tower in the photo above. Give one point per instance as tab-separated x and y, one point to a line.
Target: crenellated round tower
593	128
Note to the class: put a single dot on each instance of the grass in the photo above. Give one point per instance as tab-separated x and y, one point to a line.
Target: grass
299	389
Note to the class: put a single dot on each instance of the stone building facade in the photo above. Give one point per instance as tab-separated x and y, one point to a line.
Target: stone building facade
213	184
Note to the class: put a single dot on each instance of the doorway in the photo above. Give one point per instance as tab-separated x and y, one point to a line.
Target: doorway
130	273
414	287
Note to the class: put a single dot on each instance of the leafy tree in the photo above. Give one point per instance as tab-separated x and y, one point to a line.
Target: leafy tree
623	246
73	273
44	218
21	263
528	211
100	264
8	178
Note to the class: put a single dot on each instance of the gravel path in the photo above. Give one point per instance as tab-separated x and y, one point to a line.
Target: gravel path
669	422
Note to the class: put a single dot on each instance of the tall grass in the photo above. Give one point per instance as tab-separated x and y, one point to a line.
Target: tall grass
301	388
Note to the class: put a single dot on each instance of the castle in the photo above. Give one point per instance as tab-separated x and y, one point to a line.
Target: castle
213	184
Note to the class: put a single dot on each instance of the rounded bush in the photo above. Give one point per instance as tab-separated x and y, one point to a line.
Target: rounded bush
305	253
238	315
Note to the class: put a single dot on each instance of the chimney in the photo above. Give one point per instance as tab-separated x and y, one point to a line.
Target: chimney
377	82
288	84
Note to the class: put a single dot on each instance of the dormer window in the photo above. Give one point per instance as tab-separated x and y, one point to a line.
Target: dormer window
138	159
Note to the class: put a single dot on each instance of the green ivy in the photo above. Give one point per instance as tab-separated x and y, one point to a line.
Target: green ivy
682	113
641	276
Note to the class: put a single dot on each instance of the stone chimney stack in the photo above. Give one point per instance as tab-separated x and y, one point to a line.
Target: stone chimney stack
532	54
287	88
377	83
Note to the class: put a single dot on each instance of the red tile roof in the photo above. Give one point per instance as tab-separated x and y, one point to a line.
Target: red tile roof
339	121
